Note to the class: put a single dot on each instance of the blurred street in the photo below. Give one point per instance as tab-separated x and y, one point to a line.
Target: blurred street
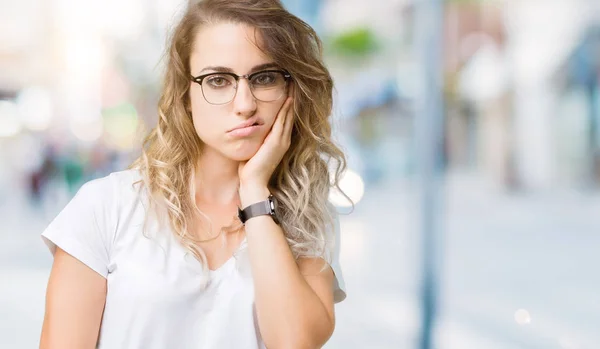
551	274
513	122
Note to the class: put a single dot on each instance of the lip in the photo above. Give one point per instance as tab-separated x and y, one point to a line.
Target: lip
244	131
247	124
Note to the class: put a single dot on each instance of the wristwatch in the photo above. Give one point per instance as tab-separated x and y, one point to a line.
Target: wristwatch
267	207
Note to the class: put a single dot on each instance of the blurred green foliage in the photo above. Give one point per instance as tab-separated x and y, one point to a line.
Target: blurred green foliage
355	42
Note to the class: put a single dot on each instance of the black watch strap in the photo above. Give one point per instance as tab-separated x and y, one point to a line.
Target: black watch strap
266	207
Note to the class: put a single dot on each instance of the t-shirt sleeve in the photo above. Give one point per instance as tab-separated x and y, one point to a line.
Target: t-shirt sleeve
339	290
84	228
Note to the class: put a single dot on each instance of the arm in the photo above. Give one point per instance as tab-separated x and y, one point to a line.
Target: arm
74	304
294	300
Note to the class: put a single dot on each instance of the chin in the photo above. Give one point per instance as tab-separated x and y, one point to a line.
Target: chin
243	153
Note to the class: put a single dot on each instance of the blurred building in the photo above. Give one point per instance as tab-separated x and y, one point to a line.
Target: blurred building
83	78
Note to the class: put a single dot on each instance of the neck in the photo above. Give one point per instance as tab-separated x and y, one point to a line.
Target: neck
216	178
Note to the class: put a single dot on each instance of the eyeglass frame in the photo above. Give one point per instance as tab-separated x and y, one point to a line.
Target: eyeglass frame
198	79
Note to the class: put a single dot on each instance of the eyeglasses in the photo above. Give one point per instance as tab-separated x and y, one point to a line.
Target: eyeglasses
221	88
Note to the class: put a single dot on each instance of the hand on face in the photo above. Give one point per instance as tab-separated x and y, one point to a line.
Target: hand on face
258	169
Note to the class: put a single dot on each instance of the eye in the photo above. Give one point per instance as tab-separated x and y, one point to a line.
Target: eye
265	79
218	80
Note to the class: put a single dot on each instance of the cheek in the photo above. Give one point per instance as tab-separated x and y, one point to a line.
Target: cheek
205	121
271	112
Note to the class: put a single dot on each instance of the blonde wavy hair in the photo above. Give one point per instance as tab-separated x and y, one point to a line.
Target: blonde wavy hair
310	168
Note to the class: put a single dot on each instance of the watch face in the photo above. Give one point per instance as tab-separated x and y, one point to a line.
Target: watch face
273	202
240	215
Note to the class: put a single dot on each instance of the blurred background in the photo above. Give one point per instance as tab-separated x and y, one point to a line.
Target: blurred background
513	254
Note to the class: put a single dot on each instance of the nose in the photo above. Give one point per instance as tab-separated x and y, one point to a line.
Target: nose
244	102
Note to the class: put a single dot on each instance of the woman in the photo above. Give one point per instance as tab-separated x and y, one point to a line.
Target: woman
160	256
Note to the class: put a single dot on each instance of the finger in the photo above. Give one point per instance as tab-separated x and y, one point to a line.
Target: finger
289	122
288	118
281	116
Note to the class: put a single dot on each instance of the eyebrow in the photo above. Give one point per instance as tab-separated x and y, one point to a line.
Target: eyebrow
220	69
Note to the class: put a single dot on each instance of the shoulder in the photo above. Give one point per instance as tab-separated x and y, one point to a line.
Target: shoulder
114	183
124	180
332	222
87	226
109	193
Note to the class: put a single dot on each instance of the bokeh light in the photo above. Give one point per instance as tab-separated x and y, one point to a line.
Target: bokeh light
35	108
87	130
352	185
10	125
522	317
121	123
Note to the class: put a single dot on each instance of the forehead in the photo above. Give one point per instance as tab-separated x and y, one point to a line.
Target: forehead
231	45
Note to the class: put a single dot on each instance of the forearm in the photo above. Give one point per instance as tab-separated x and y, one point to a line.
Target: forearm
290	314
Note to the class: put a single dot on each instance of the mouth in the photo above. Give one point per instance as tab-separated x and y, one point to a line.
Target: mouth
250	123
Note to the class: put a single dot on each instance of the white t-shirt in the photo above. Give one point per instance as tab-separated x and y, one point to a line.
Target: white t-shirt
154	298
